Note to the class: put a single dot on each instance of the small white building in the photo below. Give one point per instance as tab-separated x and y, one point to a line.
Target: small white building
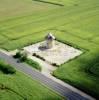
49	40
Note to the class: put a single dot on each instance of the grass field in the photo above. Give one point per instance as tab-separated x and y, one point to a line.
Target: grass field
24	22
20	87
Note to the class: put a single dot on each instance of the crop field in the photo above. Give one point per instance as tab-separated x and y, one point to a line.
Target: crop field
75	22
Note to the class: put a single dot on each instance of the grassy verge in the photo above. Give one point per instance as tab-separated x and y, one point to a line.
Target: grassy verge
33	64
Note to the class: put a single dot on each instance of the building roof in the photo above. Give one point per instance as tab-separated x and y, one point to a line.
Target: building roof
50	36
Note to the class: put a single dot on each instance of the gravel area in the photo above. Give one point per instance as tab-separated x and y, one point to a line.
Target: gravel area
58	54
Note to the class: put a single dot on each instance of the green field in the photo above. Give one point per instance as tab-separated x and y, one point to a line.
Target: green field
23	22
20	87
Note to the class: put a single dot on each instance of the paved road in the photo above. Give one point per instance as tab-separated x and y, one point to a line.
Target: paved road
62	90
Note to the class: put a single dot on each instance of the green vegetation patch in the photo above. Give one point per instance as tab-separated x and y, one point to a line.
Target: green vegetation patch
6	68
95	69
33	64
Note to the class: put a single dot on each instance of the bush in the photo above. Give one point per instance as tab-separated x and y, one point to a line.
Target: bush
54	64
18	55
21	55
34	54
33	64
7	69
23	58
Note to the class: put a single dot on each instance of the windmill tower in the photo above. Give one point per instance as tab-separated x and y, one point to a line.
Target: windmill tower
49	41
